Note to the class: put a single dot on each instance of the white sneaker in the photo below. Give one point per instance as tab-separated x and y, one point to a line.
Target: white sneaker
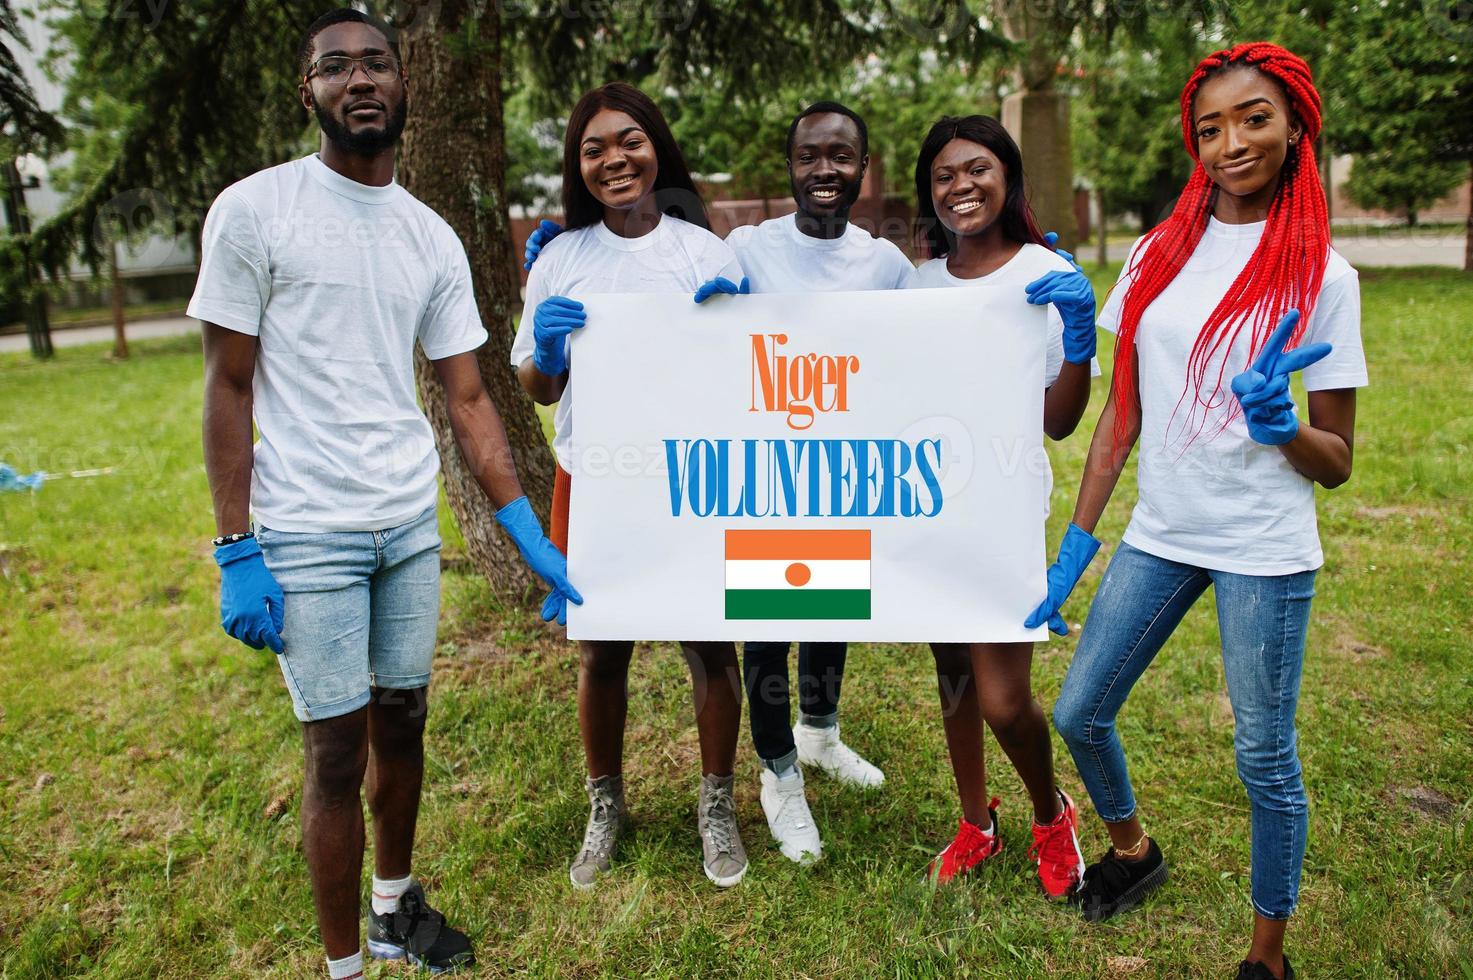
821	747
788	817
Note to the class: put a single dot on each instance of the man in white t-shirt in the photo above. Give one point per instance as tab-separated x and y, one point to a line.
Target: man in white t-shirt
317	278
816	249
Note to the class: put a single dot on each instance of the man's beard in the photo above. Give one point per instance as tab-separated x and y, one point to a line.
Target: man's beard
364	142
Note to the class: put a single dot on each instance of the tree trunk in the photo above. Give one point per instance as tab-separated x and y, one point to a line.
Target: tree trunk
1468	232
1324	157
33	297
1037	115
453	159
1103	254
120	338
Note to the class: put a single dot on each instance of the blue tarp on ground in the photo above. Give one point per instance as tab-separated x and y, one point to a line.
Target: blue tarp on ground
11	480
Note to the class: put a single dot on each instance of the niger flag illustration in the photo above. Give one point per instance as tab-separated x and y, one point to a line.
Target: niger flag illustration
808	574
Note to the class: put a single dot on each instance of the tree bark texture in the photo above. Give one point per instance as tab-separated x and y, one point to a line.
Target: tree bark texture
115	279
1037	114
33	298
1039	121
453	158
1468	236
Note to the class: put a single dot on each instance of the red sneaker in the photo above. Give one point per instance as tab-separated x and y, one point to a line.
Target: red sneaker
967	850
1056	852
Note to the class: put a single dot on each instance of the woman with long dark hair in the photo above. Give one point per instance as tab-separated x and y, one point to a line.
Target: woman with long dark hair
635	224
1215	309
979	230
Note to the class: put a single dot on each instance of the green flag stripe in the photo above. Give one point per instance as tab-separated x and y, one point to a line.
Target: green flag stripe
797	604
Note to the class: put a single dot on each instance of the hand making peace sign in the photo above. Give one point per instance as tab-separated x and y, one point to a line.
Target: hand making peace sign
1263	389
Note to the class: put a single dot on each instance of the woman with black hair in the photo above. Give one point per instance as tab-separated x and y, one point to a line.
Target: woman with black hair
979	230
635	225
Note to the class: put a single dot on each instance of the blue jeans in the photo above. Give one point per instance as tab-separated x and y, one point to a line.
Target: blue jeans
361	609
1262	619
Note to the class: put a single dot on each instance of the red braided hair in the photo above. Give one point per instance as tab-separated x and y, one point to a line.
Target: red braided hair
1284	272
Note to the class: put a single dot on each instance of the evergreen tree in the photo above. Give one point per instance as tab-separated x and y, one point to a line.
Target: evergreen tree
1402	101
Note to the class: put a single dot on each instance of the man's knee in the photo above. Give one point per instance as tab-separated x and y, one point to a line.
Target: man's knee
336	751
758	654
396	719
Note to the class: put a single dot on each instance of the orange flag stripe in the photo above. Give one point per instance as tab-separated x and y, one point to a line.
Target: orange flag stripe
788	545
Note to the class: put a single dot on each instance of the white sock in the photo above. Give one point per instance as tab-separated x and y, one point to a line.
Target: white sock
788	775
386	893
347	968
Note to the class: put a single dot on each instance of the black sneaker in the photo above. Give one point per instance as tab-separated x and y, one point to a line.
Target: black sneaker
1257	971
416	932
1112	886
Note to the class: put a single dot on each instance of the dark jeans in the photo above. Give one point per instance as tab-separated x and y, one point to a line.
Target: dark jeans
765	669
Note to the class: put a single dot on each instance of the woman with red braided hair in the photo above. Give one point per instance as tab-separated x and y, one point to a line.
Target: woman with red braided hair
1207	304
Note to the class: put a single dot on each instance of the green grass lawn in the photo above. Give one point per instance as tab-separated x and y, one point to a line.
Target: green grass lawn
148	819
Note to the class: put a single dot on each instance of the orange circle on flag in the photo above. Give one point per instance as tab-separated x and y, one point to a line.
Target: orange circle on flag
798	574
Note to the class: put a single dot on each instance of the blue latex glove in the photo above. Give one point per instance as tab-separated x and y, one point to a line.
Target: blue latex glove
542	556
1263	389
545	232
722	285
1052	237
1074	298
1075	553
250	599
555	318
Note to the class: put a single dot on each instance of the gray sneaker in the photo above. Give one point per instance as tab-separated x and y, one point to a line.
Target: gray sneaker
723	855
607	817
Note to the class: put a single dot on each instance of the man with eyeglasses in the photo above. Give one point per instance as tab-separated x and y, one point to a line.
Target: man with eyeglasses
316	280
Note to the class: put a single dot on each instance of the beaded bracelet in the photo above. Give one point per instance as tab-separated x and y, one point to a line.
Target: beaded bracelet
225	539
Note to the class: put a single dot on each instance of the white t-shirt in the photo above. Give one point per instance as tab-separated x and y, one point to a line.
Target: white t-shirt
1031	262
1217	499
778	258
338	280
675	257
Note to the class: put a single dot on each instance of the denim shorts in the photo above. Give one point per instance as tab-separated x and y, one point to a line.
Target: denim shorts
361	608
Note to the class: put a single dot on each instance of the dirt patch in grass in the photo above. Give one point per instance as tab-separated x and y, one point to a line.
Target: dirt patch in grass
1346	646
15	560
1427	801
483	658
1357	652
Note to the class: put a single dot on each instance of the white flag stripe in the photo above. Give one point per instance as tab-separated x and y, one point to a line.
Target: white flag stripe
825	574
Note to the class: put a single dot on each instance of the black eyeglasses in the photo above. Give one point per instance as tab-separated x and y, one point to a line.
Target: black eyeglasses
336	69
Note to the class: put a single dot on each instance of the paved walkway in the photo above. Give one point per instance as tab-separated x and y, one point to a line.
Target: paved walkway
1403	246
1387	247
141	330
